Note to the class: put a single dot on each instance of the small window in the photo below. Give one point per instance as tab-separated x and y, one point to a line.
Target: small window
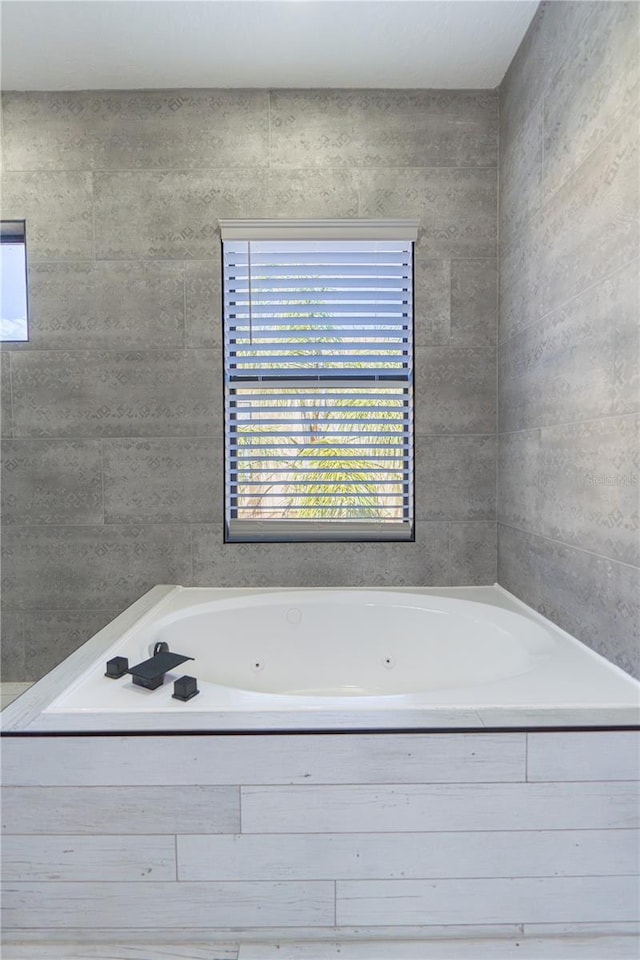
318	344
13	280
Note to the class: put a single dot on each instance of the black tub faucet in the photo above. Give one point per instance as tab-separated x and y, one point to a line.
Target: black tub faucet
150	673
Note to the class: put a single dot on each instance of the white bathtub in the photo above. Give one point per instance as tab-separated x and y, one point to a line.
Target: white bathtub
349	658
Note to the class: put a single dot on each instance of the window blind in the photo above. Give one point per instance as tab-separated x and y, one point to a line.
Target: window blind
318	361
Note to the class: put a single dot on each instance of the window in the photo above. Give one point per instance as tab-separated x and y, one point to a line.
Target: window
318	344
13	281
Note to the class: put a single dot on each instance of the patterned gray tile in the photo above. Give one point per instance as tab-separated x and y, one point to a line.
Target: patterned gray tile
521	180
51	481
172	480
50	636
591	223
549	40
472	554
106	305
90	567
432	301
184	129
308	193
570	365
12	663
626	352
519	277
203	301
592	90
170	215
455	389
50	131
321	564
125	394
589	486
456	207
519	494
455	478
474	302
6	419
58	208
594	598
378	128
79	130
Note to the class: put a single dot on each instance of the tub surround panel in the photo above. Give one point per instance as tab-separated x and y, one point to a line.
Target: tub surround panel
51	635
302	759
85	859
394	856
122	191
569	323
351	853
121	810
440	806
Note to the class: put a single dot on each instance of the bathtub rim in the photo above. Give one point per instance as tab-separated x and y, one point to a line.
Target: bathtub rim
26	715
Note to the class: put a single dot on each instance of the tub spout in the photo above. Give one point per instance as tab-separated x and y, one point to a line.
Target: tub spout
150	673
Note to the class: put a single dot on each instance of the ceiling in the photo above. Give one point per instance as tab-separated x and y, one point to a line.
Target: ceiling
137	44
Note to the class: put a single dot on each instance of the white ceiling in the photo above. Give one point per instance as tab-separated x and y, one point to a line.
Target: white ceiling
133	44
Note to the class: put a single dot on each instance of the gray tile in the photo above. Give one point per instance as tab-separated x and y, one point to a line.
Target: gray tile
183	129
203	301
592	90
58	208
91	393
51	481
331	194
520	278
589	486
591	223
432	301
170	215
456	207
50	131
6	419
174	214
626	351
472	554
106	305
519	494
172	480
320	564
550	39
90	567
595	599
520	179
570	365
50	636
455	390
455	478
376	128
96	130
12	662
474	302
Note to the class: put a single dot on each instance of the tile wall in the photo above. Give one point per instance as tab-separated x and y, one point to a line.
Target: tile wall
112	449
569	391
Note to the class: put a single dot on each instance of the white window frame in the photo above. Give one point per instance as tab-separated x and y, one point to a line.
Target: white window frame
297	530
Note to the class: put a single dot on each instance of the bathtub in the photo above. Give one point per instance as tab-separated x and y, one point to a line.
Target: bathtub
309	659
